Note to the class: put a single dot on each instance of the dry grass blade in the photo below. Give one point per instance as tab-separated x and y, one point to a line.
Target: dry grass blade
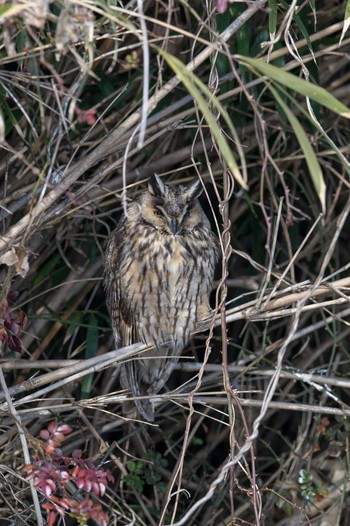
252	426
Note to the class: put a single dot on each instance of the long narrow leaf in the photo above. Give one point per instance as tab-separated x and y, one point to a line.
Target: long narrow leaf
272	17
314	122
293	82
346	21
310	156
90	352
191	81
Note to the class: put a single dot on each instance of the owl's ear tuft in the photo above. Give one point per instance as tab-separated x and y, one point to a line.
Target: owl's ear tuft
194	190
155	185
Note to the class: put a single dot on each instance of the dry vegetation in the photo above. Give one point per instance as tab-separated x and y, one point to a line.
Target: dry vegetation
253	426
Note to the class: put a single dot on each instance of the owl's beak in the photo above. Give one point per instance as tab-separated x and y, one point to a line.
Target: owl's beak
174	225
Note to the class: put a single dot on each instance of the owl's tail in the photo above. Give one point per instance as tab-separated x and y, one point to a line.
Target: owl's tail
130	380
146	377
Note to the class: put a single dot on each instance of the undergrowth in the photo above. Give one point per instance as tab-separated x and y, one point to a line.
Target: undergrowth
253	98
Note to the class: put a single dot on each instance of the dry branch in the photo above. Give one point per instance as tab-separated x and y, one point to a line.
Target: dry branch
107	146
79	369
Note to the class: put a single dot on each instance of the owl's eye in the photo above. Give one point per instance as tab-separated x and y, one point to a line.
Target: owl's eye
157	213
188	211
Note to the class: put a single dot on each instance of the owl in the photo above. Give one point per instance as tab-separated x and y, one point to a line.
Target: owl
159	269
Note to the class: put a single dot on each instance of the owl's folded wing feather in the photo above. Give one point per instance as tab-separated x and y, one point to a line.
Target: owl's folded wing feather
112	280
123	320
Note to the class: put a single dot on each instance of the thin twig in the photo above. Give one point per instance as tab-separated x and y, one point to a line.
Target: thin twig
108	144
25	449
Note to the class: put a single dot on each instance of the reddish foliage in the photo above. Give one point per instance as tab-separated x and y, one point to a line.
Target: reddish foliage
221	5
86	116
12	321
51	471
54	436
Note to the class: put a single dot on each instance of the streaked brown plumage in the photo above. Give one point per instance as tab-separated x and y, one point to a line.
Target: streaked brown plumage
160	263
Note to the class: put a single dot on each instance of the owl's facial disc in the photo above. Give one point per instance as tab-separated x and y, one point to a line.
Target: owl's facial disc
175	220
172	210
171	220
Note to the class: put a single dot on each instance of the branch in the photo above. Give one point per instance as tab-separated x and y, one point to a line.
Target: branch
243	312
25	449
108	144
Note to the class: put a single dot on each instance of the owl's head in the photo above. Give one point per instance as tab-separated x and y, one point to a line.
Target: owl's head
172	209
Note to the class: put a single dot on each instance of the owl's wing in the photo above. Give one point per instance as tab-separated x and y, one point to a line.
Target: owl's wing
122	320
120	316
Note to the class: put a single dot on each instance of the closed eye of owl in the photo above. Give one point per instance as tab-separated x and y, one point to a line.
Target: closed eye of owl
159	269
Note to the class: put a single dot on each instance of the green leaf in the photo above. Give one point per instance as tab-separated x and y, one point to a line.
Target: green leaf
45	270
90	352
300	24
196	87
243	35
272	17
9	10
293	82
346	21
73	323
310	156
2	128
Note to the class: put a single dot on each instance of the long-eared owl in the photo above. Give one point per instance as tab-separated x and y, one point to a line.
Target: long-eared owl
159	269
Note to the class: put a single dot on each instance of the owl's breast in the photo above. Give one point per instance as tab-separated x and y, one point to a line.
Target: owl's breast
160	290
157	266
